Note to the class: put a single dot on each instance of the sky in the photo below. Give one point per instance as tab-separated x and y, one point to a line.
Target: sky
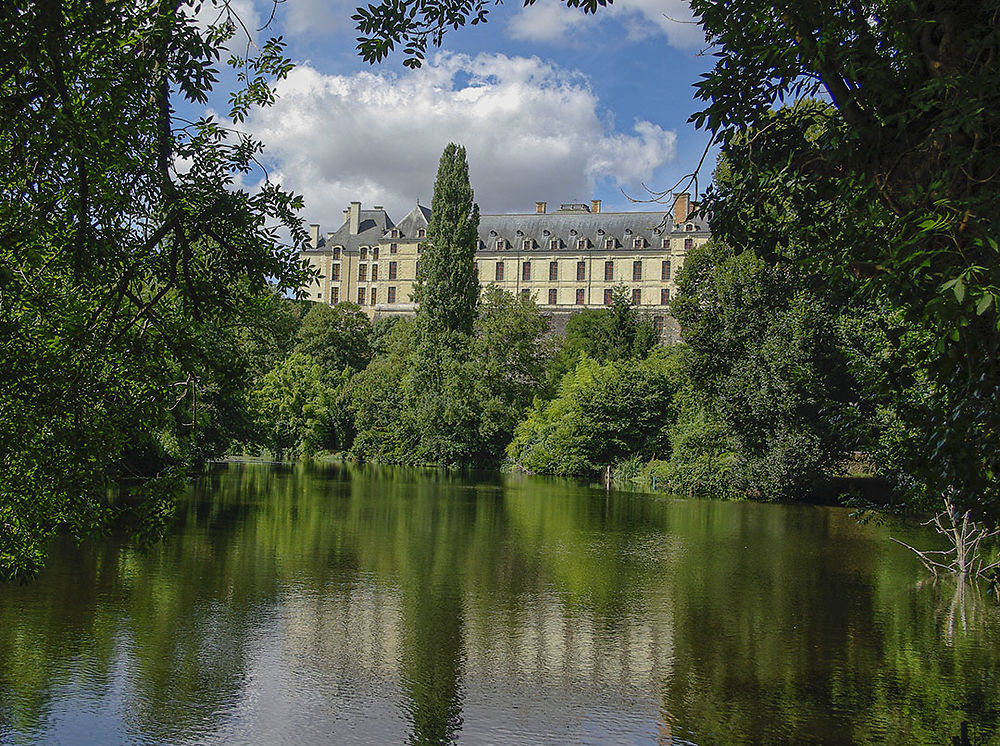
551	105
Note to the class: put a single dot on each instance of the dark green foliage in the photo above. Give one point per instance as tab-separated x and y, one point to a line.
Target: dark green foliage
123	277
335	337
603	414
447	286
603	334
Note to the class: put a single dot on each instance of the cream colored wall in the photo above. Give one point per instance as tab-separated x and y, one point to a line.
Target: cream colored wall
566	284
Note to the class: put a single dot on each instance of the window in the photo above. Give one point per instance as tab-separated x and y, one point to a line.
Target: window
527	244
552	296
361	296
393	248
581	271
501	244
392	270
420	247
525	295
664	296
526	271
636	271
581	243
391	294
499	272
553	271
422	233
374	293
607	296
664	243
416	270
336	252
688	244
658	324
335	295
638	243
665	269
636	296
689	227
374	253
609	270
362	273
609	243
553	243
364	252
579	296
395	232
374	273
335	272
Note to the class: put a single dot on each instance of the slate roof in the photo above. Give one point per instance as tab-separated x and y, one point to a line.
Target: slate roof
417	218
372	225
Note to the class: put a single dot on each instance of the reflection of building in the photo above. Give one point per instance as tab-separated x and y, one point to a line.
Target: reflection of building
566	260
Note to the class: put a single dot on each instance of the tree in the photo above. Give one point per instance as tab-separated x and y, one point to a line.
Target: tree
336	337
126	245
448	286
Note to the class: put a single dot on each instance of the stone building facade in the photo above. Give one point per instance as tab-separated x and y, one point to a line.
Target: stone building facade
567	260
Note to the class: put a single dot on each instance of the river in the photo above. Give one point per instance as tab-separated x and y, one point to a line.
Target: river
365	605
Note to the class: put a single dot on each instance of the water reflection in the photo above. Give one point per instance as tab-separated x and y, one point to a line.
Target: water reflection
363	605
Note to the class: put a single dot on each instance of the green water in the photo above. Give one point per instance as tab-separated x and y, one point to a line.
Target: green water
379	606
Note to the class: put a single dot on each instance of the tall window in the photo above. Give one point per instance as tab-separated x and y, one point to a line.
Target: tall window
362	272
665	269
392	270
658	324
336	252
420	247
552	296
361	296
416	270
553	271
688	244
664	296
499	272
374	294
391	294
581	271
393	248
607	296
609	270
526	271
579	296
334	296
374	273
636	296
374	253
636	271
335	272
364	252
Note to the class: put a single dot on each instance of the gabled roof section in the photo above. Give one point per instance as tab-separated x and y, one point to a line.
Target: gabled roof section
417	218
372	225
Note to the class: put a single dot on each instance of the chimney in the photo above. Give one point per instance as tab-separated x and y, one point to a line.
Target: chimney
540	208
595	205
314	235
682	207
355	217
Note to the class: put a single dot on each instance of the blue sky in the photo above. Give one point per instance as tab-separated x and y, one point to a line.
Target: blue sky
552	105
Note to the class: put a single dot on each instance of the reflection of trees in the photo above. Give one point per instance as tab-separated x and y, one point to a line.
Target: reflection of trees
750	623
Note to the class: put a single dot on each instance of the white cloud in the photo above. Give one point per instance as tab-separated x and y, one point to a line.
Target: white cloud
318	17
533	132
552	21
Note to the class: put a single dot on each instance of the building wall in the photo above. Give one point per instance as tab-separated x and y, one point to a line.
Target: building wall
573	292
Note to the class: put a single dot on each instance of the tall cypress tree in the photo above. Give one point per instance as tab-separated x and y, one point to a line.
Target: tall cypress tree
447	285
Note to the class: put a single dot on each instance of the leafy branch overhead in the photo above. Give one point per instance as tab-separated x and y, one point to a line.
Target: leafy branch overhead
415	24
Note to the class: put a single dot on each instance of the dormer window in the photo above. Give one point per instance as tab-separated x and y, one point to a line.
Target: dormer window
553	243
689	227
638	243
501	244
581	243
527	244
422	233
664	243
395	232
609	243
